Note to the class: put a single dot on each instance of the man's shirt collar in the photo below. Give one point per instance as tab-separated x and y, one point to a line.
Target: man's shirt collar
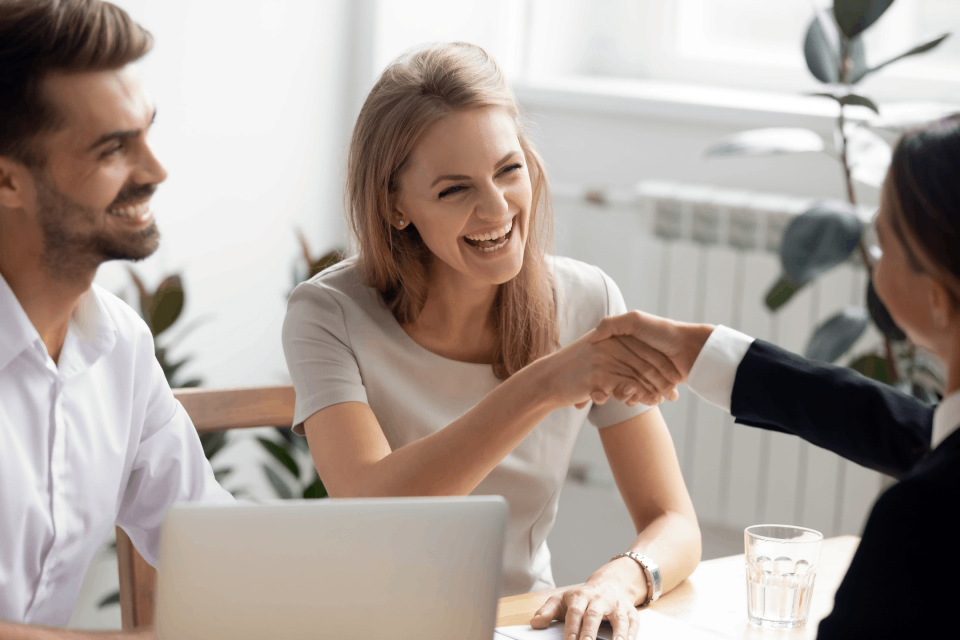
91	334
16	331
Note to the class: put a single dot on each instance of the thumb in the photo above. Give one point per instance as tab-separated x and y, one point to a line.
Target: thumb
628	324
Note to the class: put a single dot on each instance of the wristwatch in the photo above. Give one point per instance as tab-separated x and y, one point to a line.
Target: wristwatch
650	570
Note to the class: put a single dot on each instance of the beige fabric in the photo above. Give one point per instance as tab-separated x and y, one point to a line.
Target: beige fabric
342	344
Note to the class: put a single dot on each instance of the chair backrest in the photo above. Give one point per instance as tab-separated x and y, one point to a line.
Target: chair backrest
210	410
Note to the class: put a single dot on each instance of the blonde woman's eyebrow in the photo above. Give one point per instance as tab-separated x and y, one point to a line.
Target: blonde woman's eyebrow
502	161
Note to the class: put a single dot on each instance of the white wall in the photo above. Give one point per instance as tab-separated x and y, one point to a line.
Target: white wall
251	126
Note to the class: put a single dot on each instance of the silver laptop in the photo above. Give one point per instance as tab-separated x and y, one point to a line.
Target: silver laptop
425	568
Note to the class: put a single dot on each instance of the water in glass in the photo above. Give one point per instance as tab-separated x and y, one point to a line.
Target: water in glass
779	591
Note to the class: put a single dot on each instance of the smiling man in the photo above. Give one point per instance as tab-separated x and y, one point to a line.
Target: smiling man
90	433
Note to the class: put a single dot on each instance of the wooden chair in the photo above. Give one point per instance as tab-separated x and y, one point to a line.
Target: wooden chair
210	410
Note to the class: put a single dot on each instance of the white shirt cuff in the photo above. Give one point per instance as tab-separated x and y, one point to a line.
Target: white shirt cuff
715	369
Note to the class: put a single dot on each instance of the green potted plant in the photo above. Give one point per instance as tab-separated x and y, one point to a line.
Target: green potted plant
831	232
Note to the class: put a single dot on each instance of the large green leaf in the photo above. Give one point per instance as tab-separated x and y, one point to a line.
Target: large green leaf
169	368
819	239
166	305
855	61
765	142
281	455
921	48
855	16
821	50
315	490
873	366
781	291
836	335
846	99
221	473
279	486
212	443
327	260
109	599
881	316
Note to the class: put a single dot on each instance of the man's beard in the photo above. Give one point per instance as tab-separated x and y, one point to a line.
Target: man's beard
69	248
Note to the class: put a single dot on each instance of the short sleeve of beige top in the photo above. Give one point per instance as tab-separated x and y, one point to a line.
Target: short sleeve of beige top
342	344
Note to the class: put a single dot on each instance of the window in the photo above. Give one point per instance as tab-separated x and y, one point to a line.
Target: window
750	44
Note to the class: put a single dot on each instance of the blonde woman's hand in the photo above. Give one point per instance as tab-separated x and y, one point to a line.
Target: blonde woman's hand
677	343
583	608
596	370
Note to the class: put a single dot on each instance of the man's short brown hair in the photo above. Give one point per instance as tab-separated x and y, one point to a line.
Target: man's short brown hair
40	36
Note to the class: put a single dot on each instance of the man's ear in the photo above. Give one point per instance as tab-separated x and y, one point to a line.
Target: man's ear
14	178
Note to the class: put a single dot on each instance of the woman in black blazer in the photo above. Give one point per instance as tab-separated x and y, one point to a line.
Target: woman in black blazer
905	576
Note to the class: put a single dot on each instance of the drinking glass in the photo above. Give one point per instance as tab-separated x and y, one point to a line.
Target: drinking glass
781	567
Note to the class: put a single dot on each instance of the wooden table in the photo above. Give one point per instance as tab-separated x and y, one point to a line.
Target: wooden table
715	596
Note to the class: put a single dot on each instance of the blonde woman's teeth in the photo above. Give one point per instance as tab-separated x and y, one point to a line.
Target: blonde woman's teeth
499	245
493	235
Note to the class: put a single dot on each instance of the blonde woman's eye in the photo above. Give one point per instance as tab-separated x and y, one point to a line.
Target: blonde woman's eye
449	191
513	167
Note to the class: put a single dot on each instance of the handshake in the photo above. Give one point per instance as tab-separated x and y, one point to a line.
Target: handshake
636	358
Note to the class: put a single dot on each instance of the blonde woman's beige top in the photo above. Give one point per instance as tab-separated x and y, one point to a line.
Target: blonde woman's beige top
342	344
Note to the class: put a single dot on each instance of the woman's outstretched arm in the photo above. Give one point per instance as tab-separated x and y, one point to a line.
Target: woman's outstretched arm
354	458
833	407
645	467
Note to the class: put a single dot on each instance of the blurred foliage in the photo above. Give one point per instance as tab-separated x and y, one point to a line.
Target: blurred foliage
294	480
832	232
308	265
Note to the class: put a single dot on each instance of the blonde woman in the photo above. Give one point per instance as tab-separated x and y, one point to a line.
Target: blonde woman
452	355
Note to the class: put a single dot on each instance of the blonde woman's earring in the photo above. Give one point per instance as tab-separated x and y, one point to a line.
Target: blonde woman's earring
403	222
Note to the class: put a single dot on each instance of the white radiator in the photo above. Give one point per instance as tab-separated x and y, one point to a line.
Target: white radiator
702	254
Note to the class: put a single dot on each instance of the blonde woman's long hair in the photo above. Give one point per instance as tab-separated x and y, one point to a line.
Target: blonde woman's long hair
414	92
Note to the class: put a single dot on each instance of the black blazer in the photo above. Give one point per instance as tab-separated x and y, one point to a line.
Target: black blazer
905	576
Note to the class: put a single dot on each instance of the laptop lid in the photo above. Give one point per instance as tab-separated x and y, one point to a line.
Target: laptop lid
367	568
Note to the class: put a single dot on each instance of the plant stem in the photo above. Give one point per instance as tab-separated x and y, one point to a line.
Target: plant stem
867	262
888	348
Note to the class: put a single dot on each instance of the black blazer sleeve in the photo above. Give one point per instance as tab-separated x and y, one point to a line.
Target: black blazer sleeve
832	407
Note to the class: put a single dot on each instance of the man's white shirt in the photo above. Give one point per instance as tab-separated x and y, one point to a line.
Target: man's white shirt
715	370
93	441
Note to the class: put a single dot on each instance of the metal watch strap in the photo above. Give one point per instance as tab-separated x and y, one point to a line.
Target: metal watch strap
651	571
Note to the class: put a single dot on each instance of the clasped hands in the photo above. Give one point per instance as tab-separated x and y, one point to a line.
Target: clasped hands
635	357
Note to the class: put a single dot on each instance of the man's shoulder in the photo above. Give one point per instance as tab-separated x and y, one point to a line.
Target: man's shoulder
129	325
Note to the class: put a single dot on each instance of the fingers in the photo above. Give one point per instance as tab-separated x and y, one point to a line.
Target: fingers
620	621
630	394
576	608
551	610
640	358
592	617
634	625
622	384
627	324
661	363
